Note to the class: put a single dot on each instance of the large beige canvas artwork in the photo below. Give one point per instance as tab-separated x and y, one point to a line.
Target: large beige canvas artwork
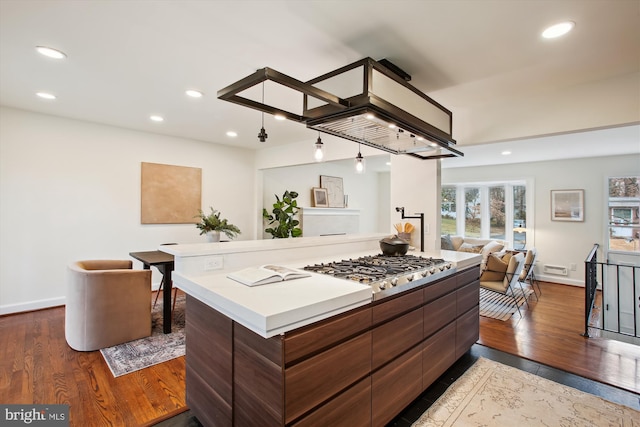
170	194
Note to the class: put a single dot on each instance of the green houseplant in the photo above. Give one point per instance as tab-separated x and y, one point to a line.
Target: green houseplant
212	225
282	217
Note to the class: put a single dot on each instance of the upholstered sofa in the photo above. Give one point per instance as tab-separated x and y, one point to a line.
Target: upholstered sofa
472	245
108	303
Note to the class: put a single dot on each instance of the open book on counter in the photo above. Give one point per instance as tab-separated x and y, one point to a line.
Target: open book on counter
255	276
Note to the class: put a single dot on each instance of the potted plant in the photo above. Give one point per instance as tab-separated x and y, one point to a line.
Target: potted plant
212	225
282	216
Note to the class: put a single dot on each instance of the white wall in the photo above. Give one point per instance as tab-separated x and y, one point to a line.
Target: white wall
415	185
70	190
367	192
560	243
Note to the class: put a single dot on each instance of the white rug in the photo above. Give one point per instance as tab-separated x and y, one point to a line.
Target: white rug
159	347
501	307
493	394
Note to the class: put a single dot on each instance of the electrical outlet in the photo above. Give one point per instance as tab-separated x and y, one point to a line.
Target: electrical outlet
572	266
213	263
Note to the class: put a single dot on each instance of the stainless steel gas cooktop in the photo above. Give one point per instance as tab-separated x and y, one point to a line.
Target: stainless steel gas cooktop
387	275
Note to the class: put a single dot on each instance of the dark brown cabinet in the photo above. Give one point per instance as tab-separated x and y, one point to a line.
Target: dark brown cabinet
359	368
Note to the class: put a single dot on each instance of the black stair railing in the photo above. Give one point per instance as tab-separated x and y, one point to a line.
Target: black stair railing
595	279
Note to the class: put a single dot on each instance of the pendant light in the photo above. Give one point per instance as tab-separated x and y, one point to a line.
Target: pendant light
318	153
359	162
262	136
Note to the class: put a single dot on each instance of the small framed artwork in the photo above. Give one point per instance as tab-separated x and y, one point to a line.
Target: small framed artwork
320	198
567	205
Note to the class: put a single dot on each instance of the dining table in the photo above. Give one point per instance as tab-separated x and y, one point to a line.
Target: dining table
164	262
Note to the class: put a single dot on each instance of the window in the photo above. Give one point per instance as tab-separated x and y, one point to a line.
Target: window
472	217
624	207
495	210
448	210
519	216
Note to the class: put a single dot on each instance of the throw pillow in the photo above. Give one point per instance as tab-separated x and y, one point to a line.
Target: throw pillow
488	249
496	269
491	247
507	257
474	249
446	243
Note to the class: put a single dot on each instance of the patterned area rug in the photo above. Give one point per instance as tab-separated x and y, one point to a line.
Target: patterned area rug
144	352
501	307
493	394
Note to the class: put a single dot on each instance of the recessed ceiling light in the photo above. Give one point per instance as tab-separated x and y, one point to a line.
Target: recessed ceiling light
370	116
45	95
50	52
157	118
506	153
558	30
194	93
232	134
392	126
279	117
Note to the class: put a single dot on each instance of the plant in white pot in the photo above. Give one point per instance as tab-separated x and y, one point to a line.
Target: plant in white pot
212	226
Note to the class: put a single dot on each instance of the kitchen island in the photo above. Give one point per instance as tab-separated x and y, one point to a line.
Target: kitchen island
318	350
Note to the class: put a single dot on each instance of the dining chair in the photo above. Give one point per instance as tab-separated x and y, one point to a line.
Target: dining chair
175	290
507	285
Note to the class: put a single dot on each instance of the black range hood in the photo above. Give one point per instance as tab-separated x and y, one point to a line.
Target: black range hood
365	102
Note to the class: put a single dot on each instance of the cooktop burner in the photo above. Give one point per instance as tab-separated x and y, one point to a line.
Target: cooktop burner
387	274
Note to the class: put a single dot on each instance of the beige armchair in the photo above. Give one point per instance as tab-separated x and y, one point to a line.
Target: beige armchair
528	274
108	303
506	285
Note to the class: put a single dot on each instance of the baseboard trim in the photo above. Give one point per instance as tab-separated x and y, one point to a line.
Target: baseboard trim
561	280
31	305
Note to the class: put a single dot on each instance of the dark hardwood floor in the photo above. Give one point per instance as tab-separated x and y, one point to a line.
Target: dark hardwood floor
37	365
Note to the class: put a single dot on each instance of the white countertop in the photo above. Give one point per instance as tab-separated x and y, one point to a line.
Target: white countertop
276	308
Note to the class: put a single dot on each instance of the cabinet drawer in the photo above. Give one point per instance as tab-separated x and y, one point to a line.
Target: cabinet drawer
468	297
319	378
395	337
439	353
306	341
351	408
436	290
388	309
468	331
212	363
469	275
438	313
395	386
257	379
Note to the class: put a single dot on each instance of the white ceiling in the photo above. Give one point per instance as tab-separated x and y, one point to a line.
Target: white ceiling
482	59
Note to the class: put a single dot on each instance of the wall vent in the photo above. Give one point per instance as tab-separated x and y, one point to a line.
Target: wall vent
555	269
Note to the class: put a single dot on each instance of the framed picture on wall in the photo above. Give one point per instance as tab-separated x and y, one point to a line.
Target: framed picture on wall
320	198
335	190
567	205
